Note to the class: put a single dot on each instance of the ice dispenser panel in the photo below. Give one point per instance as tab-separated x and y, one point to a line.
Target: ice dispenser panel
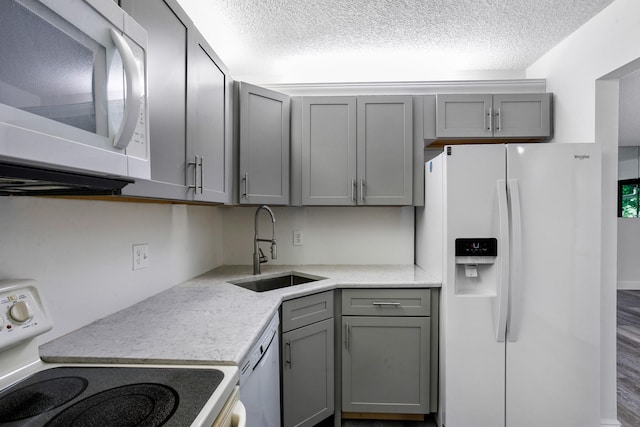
473	252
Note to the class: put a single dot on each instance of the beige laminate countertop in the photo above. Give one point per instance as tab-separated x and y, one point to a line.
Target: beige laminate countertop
207	320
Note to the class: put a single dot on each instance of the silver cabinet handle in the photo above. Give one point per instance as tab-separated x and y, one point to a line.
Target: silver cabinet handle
133	97
499	117
246	185
288	360
201	174
353	190
362	185
346	335
490	129
195	164
386	304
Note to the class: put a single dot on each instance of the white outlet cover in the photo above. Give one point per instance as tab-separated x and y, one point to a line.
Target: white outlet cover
297	238
140	256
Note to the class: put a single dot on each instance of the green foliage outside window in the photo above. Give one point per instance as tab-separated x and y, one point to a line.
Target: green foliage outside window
629	198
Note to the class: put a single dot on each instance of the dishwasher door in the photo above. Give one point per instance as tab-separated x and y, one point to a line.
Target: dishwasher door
260	381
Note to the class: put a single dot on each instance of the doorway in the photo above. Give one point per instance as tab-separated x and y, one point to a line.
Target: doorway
626	303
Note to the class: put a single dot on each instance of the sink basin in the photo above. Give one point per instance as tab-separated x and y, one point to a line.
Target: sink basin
263	284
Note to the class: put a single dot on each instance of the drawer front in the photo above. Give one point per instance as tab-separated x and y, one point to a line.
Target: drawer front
304	311
386	302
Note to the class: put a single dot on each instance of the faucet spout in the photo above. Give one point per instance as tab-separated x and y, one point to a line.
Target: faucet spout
258	256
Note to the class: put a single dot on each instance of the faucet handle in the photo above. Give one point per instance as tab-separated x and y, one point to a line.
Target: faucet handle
261	256
274	249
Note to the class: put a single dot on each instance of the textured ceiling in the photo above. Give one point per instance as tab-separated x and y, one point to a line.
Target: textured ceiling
279	38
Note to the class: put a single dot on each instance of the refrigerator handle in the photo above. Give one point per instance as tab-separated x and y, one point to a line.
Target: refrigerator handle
503	274
513	326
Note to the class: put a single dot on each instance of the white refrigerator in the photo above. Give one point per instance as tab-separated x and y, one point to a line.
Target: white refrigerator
514	232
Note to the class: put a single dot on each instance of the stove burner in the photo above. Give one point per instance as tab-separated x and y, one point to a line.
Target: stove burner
40	397
144	405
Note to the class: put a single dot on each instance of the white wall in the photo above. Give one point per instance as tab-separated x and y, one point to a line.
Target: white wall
80	252
604	44
331	235
630	110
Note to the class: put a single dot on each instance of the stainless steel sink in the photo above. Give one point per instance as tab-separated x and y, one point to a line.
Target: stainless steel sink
263	284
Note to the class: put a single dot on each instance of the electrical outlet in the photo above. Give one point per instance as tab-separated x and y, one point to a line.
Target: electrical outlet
297	237
140	256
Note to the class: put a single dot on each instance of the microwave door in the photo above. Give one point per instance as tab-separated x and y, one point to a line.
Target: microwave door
75	75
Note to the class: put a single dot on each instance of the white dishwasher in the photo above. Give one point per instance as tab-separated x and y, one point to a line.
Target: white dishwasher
260	379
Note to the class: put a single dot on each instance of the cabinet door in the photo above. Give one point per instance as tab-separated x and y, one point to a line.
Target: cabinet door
308	374
385	150
264	146
329	150
207	136
166	25
464	116
396	349
522	115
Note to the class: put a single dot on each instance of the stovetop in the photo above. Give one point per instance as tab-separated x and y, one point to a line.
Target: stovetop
109	396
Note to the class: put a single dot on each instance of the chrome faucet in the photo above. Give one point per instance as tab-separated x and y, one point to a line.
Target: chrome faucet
258	256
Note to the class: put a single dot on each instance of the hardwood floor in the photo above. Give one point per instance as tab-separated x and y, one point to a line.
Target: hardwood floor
628	354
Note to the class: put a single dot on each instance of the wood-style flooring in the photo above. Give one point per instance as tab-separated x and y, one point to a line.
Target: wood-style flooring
628	332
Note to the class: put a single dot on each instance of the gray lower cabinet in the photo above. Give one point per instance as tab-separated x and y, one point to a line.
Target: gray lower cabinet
386	351
525	115
357	150
264	145
307	360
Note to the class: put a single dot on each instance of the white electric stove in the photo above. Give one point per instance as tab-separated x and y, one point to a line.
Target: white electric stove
35	393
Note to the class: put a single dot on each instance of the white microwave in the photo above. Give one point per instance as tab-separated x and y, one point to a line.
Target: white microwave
73	88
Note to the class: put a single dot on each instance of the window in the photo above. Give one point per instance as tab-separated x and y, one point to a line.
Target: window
629	198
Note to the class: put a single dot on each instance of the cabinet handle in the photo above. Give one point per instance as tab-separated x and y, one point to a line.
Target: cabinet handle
195	174
288	360
362	185
201	174
386	304
246	185
490	128
353	190
499	117
346	335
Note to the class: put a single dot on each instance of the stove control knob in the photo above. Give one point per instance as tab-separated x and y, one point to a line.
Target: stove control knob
21	312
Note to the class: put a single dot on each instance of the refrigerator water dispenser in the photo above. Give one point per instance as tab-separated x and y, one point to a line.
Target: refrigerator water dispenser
474	260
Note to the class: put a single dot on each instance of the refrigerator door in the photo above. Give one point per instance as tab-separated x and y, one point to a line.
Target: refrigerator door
553	347
472	362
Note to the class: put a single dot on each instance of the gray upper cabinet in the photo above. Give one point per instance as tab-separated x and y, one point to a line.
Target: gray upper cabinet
208	141
264	146
357	150
190	96
527	115
385	150
167	30
329	150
